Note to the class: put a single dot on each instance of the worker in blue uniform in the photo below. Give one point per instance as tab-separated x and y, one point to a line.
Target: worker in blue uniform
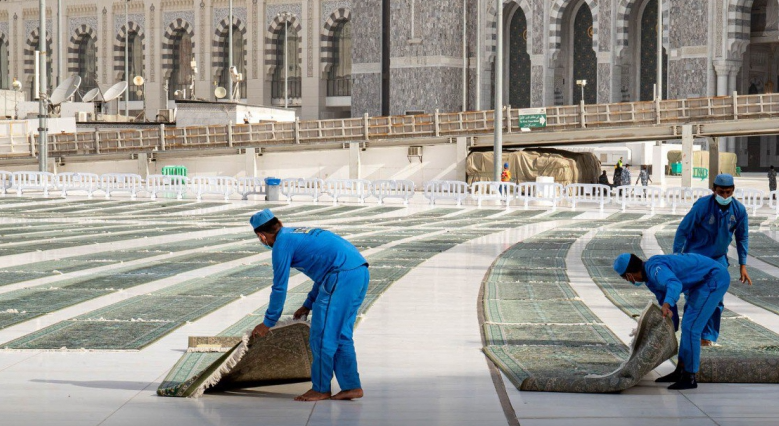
704	280
708	229
340	275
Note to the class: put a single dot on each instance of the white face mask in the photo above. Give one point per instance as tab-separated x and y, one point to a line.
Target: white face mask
723	201
631	279
265	245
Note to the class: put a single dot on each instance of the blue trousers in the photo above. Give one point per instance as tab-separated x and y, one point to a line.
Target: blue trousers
701	304
711	331
332	326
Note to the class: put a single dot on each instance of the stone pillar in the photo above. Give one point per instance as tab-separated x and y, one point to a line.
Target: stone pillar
659	162
462	156
724	70
143	165
732	87
713	160
355	165
687	144
250	167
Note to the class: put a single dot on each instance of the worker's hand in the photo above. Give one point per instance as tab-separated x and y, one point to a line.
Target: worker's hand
667	313
261	330
300	313
745	276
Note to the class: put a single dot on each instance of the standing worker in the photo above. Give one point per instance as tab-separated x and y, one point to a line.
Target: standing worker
625	177
708	230
505	176
667	276
340	276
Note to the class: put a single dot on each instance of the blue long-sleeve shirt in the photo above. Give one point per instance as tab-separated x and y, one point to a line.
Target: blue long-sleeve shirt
670	275
312	251
708	230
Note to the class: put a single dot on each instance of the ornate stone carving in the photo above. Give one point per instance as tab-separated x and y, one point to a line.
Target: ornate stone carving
310	39
152	32
272	10
328	7
138	18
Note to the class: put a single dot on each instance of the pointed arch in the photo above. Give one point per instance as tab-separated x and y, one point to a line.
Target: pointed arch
172	34
275	37
119	42
327	38
556	16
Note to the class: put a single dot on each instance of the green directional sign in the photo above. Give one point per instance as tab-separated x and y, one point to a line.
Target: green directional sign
532	117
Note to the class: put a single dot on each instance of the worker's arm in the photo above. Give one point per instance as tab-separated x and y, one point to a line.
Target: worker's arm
282	259
673	310
312	295
684	231
742	247
673	287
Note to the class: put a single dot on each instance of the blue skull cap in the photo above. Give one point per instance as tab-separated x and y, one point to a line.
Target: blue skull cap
505	165
621	263
724	180
261	218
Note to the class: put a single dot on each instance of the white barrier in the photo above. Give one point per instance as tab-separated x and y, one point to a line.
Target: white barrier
306	187
773	202
549	192
121	182
251	186
348	188
70	181
642	196
750	198
217	185
446	190
587	193
166	184
683	196
402	189
493	191
32	181
5	181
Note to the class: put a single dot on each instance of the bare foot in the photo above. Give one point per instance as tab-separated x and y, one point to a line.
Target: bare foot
348	394
313	395
705	342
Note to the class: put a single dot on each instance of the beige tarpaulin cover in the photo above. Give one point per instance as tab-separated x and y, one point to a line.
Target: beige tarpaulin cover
564	166
727	160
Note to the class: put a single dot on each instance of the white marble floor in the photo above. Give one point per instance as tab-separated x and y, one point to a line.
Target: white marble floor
419	349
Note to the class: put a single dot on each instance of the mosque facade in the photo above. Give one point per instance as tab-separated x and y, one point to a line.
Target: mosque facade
324	57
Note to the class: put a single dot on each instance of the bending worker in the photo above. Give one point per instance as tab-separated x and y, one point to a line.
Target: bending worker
667	276
708	230
340	276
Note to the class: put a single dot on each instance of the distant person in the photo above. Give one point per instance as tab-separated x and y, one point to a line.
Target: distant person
505	176
625	177
772	180
617	176
619	163
603	179
643	176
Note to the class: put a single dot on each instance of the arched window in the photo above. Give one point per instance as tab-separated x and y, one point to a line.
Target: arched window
87	63
585	62
518	61
181	74
238	62
649	54
758	16
339	78
293	74
4	83
135	63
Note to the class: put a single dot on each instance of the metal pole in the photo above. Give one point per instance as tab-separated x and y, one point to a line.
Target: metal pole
465	58
498	75
286	67
478	56
59	42
230	47
660	50
126	60
43	134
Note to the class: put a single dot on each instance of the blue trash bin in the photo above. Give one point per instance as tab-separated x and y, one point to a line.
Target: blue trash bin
272	189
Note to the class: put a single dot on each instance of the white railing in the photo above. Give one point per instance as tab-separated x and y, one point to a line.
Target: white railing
493	191
750	198
166	184
121	182
32	181
773	202
547	192
313	188
580	193
217	185
642	196
446	190
70	182
401	189
348	188
683	196
251	186
5	181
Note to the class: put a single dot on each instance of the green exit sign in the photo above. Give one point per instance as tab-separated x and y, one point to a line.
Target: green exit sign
532	117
